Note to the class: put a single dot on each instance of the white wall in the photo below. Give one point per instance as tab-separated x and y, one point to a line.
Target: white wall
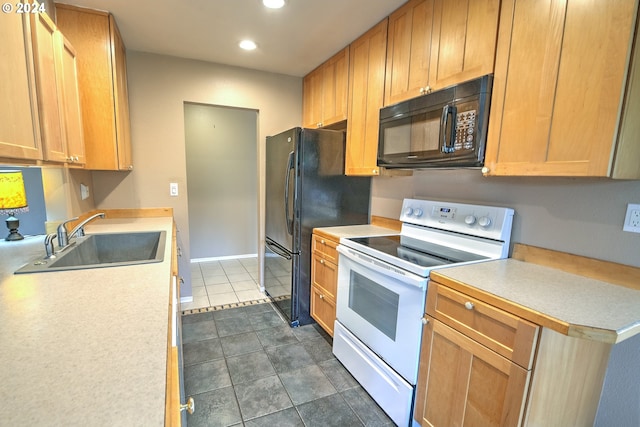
158	87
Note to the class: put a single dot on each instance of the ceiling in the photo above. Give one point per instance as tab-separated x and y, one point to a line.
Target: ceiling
293	40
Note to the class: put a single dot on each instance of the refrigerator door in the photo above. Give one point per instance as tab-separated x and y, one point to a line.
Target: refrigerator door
280	187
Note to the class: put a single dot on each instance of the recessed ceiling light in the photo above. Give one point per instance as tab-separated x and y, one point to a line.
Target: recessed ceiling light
273	4
247	45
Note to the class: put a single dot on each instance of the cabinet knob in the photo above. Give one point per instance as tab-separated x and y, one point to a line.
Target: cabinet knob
424	320
375	171
130	167
190	406
485	170
321	296
469	305
321	261
322	241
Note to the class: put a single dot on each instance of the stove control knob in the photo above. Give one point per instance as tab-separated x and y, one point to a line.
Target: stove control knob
408	211
484	221
470	220
418	213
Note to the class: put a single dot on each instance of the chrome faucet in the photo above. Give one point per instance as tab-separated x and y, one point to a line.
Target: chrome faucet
78	231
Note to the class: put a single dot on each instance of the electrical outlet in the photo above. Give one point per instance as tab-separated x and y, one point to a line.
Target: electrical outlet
173	189
632	219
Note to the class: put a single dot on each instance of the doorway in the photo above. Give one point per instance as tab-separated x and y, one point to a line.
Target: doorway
222	181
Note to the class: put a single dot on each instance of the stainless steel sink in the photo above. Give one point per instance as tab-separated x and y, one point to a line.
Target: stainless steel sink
104	250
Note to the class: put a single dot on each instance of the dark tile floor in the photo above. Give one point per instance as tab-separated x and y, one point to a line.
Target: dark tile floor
246	366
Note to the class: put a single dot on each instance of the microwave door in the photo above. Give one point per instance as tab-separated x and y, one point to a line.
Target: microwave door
410	139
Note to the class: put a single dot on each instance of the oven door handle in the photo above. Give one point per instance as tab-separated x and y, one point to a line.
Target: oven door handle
383	268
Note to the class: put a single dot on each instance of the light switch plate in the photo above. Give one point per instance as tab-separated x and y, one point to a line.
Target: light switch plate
84	192
632	219
173	189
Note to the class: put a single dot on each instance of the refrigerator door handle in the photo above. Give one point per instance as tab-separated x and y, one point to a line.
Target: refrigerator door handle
287	181
278	251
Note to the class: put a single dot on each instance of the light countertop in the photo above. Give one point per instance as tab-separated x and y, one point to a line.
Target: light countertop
364	230
84	347
567	303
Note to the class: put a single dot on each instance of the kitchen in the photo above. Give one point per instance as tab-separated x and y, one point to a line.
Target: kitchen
575	215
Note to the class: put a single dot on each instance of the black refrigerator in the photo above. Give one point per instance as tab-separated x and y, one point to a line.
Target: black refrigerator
305	188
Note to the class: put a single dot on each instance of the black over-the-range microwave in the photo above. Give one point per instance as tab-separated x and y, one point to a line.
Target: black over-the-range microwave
445	128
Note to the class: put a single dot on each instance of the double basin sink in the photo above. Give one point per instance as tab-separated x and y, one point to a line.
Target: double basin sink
104	250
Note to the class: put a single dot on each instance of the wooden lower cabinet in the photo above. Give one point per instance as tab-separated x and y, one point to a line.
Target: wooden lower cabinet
483	366
324	281
463	383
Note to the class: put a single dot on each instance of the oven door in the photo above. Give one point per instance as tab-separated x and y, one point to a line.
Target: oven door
383	307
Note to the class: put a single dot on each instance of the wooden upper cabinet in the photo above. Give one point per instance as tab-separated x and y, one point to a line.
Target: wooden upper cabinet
464	41
48	78
438	43
58	97
408	51
366	96
559	86
19	120
312	99
325	92
102	84
70	93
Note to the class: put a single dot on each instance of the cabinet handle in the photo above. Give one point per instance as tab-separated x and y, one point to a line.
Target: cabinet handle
424	320
190	406
469	305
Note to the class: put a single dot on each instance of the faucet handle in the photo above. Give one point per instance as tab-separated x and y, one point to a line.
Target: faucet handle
63	237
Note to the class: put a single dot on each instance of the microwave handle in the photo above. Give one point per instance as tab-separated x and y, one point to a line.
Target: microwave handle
448	113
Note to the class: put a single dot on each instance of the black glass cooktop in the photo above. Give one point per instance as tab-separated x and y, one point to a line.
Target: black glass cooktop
420	252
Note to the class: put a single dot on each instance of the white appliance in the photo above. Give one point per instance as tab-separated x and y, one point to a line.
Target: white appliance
382	285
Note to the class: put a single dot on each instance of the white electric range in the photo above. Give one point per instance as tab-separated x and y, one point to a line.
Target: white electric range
382	284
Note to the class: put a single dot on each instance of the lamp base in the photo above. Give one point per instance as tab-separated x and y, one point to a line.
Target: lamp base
12	225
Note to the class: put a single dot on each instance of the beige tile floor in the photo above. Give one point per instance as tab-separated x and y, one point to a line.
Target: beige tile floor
229	281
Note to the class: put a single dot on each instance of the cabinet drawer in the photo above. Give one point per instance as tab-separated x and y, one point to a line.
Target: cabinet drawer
324	274
326	247
323	309
502	332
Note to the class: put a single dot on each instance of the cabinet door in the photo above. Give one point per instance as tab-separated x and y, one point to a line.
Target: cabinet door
462	383
464	40
49	87
324	275
19	126
72	113
335	84
121	98
312	99
366	96
408	51
558	84
323	309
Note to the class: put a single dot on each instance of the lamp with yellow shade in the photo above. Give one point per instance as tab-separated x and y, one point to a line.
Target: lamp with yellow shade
13	198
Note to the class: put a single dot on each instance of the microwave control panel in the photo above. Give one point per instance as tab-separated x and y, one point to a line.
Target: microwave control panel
465	130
